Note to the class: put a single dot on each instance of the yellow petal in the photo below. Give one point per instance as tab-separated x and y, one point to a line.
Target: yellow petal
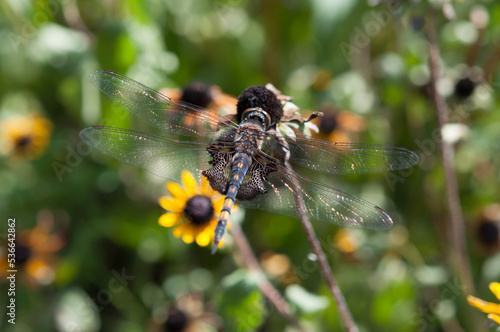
171	204
177	192
169	219
203	238
206	188
212	224
179	230
495	289
495	318
217	204
205	185
40	270
33	265
189	183
188	235
488	307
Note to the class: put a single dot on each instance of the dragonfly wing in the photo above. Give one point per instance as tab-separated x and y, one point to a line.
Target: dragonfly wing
156	109
342	158
162	156
321	202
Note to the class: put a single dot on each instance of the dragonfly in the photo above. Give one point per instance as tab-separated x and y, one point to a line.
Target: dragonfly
247	158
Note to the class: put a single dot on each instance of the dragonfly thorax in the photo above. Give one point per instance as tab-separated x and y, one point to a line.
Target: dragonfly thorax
248	139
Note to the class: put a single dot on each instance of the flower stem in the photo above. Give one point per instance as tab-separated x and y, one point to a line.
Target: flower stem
324	267
456	222
265	286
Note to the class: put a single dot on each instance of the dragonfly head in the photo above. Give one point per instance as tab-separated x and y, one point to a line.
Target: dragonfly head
263	99
257	115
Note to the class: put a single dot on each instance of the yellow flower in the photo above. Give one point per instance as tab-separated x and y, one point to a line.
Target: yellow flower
493	309
192	209
25	137
35	252
188	313
275	265
338	125
346	241
208	96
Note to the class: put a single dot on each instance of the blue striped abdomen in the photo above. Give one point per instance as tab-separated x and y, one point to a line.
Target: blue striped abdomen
239	169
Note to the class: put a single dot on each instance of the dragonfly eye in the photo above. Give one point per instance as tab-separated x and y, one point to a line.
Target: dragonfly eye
257	115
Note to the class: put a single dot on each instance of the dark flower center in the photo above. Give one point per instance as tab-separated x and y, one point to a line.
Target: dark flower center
488	232
23	253
23	141
199	209
176	321
464	88
197	93
417	23
328	123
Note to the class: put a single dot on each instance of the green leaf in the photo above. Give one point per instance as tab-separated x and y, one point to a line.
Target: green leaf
241	304
75	309
307	302
394	304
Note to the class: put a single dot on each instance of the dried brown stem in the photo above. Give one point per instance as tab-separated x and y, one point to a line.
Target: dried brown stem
74	19
456	225
265	286
491	64
324	267
455	221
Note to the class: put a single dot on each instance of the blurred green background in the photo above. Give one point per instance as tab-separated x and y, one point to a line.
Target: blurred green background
91	255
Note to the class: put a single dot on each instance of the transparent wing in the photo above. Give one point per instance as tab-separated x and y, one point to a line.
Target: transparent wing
156	109
321	202
341	158
162	156
168	157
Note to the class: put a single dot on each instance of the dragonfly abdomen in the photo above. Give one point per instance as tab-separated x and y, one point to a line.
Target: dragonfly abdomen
241	163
